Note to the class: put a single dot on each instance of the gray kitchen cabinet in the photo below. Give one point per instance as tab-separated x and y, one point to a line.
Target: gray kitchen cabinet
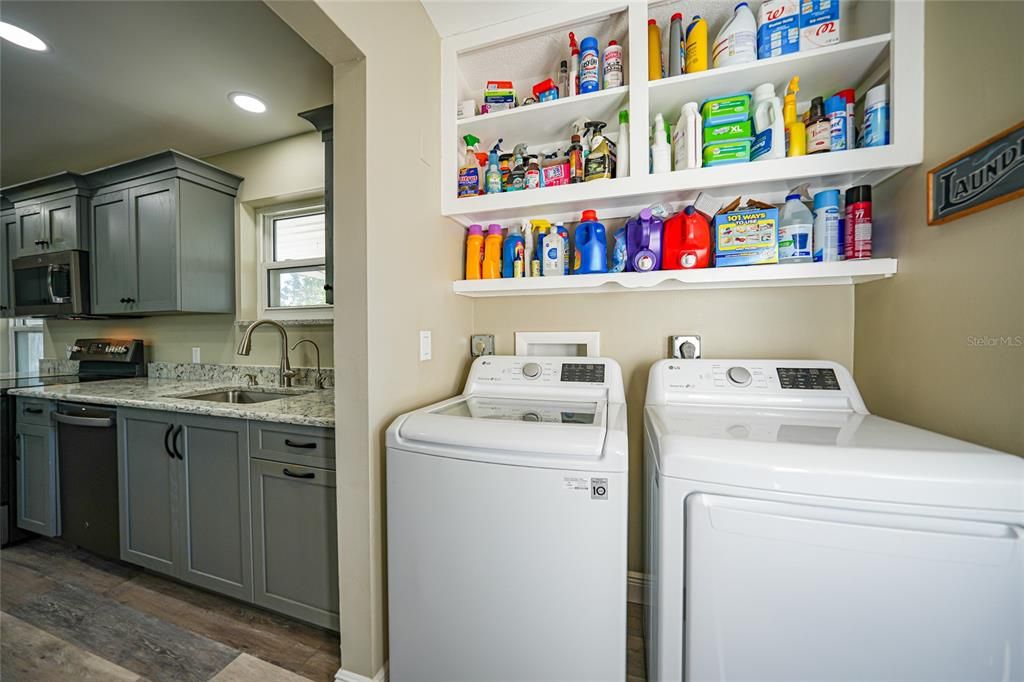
184	494
114	268
213	500
7	221
51	214
294	514
36	478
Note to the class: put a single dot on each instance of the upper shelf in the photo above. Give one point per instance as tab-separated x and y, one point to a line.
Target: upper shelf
823	71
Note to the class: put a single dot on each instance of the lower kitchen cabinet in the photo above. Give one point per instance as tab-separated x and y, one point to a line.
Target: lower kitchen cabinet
184	494
295	540
36	479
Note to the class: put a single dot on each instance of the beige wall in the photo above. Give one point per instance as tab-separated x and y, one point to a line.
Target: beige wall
804	322
292	168
915	361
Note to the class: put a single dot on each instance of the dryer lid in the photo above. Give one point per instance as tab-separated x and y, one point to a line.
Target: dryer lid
831	453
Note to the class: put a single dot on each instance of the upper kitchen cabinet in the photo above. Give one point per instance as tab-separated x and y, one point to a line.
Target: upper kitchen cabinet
7	221
50	214
163	235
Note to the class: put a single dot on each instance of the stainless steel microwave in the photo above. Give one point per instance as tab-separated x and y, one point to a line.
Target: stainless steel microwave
51	284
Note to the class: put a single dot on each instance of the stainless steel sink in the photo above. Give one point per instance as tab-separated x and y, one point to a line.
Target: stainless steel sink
239	396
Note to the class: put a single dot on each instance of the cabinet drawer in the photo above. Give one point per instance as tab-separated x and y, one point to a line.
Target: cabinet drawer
292	444
34	411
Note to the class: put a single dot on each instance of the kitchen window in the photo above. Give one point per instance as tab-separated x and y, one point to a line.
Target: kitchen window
292	270
26	345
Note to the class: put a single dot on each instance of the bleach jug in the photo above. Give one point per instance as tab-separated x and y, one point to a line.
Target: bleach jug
591	246
686	242
769	125
643	242
737	41
513	257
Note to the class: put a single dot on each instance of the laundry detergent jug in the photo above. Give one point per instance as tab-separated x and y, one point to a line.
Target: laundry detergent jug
643	242
686	242
591	246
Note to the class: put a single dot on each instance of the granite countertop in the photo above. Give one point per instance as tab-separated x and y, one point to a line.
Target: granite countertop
308	407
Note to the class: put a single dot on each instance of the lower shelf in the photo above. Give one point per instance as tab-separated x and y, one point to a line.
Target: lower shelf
751	276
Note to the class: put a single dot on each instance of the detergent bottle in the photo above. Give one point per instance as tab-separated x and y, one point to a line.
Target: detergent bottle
513	254
566	247
697	45
796	131
686	242
470	180
552	250
619	251
538	230
492	252
688	138
736	43
643	242
591	246
474	252
769	125
653	50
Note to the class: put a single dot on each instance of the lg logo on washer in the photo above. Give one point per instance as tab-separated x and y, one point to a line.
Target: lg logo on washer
599	488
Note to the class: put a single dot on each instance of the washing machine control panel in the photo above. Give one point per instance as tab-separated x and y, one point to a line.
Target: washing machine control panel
545	371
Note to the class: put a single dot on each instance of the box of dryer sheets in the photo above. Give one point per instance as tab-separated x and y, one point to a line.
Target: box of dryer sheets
778	28
819	23
500	95
746	236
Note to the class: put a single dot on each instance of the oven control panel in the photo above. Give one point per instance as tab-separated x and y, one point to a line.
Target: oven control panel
108	350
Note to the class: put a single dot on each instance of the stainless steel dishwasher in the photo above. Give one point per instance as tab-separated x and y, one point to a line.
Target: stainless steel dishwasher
87	447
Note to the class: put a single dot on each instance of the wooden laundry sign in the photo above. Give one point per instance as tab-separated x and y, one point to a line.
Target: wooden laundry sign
983	176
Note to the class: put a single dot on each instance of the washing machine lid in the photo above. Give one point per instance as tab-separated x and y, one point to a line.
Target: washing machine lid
835	453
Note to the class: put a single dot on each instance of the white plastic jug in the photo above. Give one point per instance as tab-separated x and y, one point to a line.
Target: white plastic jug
687	138
737	41
768	117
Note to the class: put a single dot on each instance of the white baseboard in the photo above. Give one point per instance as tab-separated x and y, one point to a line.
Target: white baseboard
348	676
636	587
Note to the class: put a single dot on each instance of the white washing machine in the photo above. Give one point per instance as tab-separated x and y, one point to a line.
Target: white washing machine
794	536
506	521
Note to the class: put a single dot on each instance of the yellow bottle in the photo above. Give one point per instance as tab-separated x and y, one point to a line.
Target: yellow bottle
474	252
697	45
491	268
653	50
538	228
796	131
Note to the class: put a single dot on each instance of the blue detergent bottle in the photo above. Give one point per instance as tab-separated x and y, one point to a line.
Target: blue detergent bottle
513	257
591	246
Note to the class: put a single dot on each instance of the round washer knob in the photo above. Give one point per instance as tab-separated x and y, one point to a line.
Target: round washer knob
531	370
740	376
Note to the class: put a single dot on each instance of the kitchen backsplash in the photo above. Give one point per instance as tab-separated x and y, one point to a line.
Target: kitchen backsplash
57	366
266	375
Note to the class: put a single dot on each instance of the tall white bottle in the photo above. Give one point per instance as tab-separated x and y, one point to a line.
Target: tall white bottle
737	41
661	152
622	146
688	138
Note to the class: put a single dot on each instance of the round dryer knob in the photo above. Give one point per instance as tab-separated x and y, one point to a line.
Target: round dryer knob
531	370
739	376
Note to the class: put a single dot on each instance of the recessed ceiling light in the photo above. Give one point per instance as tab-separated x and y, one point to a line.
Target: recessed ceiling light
247	102
20	36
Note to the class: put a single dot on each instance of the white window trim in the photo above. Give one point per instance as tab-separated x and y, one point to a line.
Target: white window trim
20	326
265	250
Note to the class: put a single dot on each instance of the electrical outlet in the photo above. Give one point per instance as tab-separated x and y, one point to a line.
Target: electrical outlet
424	345
195	355
481	344
685	347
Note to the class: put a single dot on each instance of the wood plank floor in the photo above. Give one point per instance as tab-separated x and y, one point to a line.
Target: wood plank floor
67	614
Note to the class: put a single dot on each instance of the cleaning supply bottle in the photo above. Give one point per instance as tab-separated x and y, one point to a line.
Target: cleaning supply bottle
591	246
528	244
736	43
590	66
492	180
653	50
686	241
574	66
826	226
622	151
661	153
600	163
876	117
575	153
491	268
553	256
687	138
563	79
796	132
613	76
819	132
532	172
675	45
566	247
835	112
474	252
643	242
470	181
697	45
849	96
769	124
517	175
513	254
619	252
796	224
538	231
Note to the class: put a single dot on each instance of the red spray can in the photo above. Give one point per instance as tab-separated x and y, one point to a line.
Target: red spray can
858	222
686	241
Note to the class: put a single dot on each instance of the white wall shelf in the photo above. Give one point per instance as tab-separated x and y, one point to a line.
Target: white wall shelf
752	276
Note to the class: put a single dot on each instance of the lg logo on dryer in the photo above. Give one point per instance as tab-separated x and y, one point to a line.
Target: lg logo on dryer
599	488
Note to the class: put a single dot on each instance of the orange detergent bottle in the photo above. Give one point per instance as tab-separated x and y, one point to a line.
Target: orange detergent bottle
492	252
474	252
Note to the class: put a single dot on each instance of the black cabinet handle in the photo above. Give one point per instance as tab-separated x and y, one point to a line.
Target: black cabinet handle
174	442
167	445
34	410
328	287
295	475
130	300
304	446
124	300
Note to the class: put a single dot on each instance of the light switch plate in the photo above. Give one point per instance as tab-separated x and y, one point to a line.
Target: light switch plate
481	344
685	347
195	355
424	345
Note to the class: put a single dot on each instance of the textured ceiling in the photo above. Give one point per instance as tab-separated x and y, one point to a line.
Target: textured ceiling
125	79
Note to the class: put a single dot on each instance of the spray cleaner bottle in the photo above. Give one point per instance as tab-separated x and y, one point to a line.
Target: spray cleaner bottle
539	228
574	65
470	180
796	131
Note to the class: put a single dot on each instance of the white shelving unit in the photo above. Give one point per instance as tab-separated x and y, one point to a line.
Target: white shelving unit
883	42
787	275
